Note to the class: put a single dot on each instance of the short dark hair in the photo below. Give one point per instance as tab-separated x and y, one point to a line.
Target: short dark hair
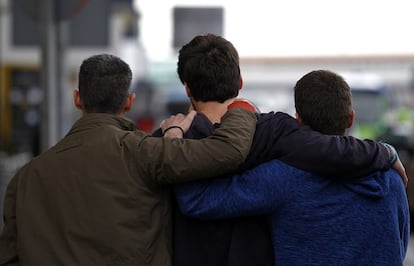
209	64
104	81
323	101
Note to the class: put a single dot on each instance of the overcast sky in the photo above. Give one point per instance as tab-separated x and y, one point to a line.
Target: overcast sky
294	27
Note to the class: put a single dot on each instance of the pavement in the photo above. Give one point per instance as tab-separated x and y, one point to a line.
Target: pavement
409	259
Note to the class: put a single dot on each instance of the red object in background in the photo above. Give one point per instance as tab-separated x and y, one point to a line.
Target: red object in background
146	124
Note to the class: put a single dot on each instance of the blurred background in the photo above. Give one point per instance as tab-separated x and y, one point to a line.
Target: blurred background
43	42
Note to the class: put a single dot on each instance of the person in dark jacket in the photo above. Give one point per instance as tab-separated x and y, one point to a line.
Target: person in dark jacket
314	220
99	196
208	67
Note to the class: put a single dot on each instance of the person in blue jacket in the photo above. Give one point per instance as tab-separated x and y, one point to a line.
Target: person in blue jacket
208	67
314	220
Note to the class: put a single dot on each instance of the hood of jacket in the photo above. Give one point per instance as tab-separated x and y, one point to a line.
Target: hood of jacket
376	185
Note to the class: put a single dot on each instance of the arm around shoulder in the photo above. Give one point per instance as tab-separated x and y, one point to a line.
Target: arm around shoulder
178	160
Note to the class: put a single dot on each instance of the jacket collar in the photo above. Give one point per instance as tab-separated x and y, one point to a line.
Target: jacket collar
94	120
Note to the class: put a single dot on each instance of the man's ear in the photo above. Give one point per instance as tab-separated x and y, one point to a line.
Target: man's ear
351	118
298	118
187	90
76	99
241	83
129	102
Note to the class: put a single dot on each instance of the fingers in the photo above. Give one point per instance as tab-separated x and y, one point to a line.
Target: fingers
190	116
181	120
399	167
188	120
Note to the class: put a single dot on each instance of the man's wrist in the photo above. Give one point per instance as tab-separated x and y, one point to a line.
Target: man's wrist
173	132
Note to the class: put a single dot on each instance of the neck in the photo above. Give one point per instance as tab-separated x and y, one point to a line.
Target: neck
213	110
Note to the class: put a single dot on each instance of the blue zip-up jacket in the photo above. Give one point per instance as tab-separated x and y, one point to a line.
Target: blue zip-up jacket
313	220
278	136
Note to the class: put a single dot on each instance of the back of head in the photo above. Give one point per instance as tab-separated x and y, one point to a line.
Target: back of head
323	101
104	81
209	64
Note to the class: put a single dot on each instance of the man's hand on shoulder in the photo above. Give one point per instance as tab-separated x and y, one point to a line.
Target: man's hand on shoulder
396	162
177	125
399	167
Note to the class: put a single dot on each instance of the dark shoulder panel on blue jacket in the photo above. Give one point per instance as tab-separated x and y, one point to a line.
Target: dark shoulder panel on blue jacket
268	141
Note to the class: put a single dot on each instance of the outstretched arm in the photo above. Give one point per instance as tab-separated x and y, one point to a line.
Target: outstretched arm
179	160
255	192
280	136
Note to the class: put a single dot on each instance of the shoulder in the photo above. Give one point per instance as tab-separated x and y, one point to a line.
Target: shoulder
200	128
378	185
276	118
394	179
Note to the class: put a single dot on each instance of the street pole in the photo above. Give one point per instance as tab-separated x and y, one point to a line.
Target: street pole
50	74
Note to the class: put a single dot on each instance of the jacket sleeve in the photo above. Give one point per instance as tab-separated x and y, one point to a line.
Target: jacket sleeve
304	148
178	160
157	133
258	191
8	237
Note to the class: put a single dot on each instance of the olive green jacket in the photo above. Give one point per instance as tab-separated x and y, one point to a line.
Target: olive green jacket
101	195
